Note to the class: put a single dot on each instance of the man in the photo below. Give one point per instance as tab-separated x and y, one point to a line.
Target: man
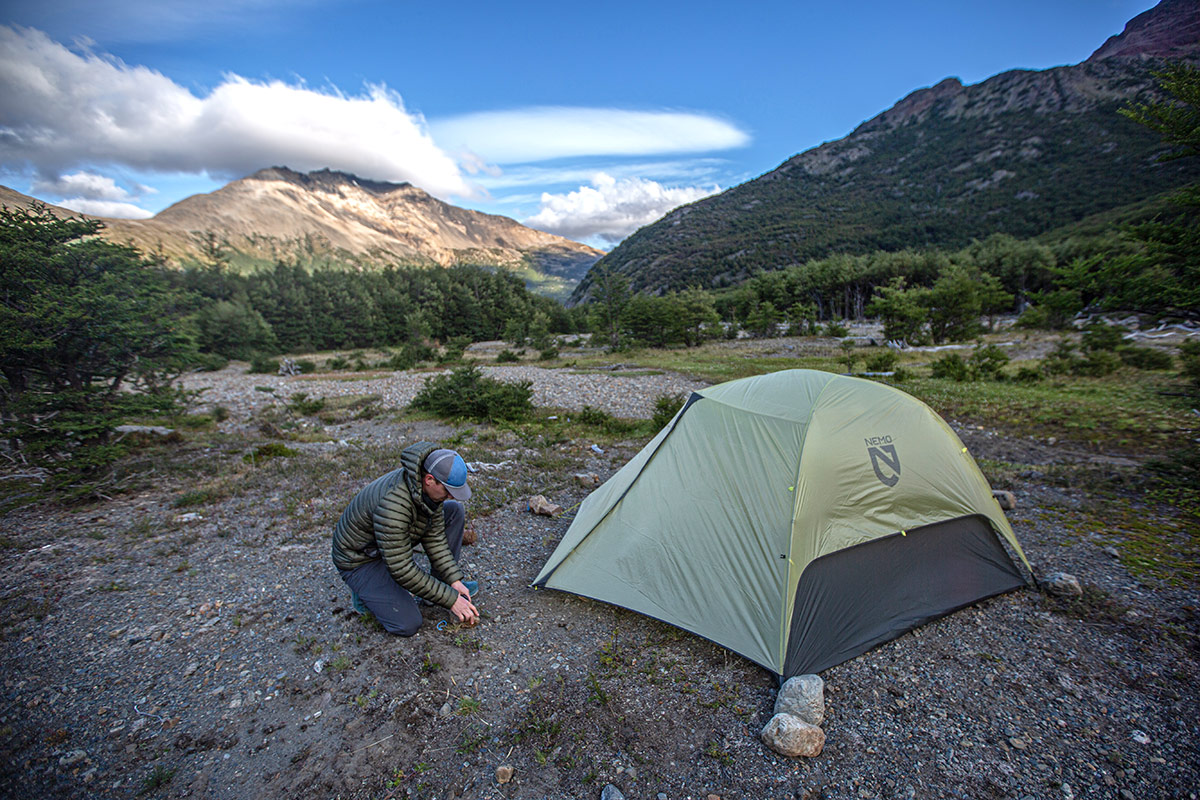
376	537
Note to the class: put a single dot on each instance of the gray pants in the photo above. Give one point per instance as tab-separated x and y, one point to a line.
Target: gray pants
392	604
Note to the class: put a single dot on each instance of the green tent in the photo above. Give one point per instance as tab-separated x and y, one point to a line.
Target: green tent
798	518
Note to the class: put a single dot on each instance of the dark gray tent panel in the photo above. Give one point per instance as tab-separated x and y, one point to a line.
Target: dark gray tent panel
797	518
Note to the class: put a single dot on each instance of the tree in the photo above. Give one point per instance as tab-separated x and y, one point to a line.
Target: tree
610	292
89	334
1167	274
902	310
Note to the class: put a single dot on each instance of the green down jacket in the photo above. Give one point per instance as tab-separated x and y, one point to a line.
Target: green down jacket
388	519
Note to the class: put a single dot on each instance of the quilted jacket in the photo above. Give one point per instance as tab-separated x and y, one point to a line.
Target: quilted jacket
388	519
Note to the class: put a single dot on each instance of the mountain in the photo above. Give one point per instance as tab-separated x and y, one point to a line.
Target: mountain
330	217
1022	153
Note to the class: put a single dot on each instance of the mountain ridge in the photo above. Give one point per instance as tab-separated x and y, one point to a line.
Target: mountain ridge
330	217
1021	152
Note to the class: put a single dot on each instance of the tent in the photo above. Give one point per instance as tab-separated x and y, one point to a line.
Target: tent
798	518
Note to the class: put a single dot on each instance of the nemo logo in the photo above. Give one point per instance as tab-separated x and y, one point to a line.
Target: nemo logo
884	458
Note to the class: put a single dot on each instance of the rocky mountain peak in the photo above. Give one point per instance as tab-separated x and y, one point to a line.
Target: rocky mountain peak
325	179
1169	30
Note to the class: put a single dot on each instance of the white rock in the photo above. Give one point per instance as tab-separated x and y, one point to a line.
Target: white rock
803	697
793	737
1063	585
611	792
1141	737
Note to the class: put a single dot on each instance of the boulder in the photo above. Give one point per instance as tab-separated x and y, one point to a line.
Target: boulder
538	504
793	737
1062	584
1007	500
804	698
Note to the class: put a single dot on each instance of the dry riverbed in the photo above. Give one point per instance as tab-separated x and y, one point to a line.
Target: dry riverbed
207	649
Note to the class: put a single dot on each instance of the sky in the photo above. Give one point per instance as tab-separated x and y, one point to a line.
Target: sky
588	121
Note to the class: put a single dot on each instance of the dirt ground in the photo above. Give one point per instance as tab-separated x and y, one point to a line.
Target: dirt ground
146	652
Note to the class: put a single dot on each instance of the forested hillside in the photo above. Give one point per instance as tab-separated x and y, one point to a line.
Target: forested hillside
1020	154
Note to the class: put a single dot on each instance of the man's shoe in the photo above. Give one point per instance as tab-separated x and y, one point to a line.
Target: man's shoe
472	587
357	602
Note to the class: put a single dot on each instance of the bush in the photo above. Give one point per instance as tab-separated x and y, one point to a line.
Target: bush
593	416
337	363
1027	374
1062	359
549	354
951	366
1146	358
466	393
266	452
306	366
666	406
987	362
1189	355
452	351
1099	336
262	365
1097	364
507	356
883	361
302	405
836	329
210	362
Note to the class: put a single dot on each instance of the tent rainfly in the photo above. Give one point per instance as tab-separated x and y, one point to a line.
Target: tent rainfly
798	518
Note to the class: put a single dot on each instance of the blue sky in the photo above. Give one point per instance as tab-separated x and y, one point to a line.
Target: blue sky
585	120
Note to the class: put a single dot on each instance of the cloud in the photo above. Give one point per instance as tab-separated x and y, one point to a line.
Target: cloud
86	185
105	208
60	109
610	209
540	134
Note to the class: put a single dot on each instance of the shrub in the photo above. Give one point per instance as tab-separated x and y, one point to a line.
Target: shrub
264	365
452	351
337	363
666	406
1027	374
593	416
1146	358
268	451
306	366
987	362
302	405
836	329
1062	359
507	356
549	354
1097	364
883	361
1100	336
210	362
466	393
951	366
1189	355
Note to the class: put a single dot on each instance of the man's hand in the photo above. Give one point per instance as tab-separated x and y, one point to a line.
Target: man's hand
461	588
464	609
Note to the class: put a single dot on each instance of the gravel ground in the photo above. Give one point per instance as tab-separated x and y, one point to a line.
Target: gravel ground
149	653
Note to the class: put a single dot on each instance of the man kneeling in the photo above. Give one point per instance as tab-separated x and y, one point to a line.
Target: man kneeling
374	541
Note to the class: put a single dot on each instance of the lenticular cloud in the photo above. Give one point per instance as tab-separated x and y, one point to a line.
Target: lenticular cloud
610	209
60	109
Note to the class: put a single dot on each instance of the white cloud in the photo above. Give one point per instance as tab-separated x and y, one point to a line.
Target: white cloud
60	109
105	208
610	209
540	134
85	185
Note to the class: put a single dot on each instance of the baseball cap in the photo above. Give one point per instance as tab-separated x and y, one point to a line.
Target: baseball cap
448	469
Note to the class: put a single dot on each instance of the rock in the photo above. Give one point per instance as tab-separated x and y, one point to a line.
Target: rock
611	792
538	504
586	479
803	697
158	430
1007	500
1141	737
446	710
660	796
72	758
791	736
504	774
1017	742
191	516
1112	551
1063	585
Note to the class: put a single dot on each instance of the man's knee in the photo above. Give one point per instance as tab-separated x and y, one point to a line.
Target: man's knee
401	627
